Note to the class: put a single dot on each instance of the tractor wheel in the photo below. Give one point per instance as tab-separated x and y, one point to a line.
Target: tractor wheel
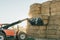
2	36
22	36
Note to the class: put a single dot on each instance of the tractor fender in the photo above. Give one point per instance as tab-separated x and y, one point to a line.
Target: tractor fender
9	32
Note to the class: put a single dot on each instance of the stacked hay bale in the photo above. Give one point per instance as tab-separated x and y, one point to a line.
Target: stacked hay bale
55	7
53	27
45	8
35	10
36	31
55	0
50	13
45	11
52	9
54	23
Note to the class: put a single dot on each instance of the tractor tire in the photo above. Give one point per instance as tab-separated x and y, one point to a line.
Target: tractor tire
22	36
2	36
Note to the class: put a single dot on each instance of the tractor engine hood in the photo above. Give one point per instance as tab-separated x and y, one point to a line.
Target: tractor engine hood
9	32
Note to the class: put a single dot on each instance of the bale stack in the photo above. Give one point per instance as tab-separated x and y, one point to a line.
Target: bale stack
52	31
54	23
54	27
43	11
36	31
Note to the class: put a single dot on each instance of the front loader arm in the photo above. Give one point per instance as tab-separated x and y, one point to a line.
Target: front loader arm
14	23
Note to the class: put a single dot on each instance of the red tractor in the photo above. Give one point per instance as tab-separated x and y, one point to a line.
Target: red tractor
8	34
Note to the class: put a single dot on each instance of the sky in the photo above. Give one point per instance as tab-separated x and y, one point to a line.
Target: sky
14	10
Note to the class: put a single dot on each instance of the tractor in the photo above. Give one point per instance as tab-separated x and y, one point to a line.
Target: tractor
8	34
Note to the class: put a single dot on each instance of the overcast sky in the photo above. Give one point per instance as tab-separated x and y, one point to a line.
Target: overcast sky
13	10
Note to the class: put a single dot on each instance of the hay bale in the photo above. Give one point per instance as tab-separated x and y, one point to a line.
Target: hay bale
45	8
51	36
52	26
35	10
36	31
51	32
55	8
55	20
55	0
